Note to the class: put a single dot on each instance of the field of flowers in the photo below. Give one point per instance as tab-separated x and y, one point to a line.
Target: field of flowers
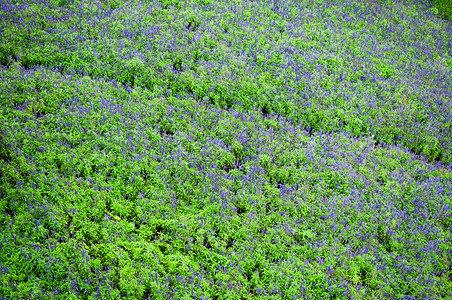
227	149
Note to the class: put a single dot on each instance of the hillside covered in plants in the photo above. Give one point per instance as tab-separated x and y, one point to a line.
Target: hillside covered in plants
228	149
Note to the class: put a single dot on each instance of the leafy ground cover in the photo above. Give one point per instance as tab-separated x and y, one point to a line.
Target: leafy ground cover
225	150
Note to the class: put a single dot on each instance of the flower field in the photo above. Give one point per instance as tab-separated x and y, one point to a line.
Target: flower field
228	149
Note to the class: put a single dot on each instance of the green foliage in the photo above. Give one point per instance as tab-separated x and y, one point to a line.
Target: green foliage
242	144
442	8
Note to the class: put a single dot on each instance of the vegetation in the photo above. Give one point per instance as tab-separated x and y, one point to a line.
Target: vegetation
225	150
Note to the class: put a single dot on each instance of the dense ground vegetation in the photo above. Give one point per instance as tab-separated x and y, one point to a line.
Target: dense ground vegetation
202	149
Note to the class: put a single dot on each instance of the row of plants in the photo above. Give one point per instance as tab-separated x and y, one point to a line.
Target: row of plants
224	150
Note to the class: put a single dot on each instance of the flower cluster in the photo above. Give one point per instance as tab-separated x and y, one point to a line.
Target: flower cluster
223	150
